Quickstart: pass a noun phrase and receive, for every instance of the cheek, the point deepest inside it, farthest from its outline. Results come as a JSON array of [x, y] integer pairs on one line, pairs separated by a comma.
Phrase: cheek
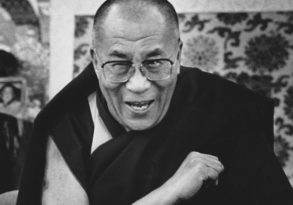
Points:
[[111, 93], [7, 95], [165, 89]]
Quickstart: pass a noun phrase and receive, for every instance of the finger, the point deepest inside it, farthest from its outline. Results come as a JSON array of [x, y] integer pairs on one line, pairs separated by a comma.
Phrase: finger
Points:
[[194, 159], [207, 173], [219, 167], [210, 182], [210, 163], [217, 182], [203, 166], [198, 165], [210, 156], [207, 157], [212, 173]]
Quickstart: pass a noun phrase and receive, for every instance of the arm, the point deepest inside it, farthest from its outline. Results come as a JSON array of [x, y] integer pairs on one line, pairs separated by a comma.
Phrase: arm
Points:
[[187, 181], [159, 196]]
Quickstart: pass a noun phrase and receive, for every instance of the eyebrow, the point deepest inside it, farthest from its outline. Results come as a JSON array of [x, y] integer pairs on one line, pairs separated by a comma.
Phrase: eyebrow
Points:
[[120, 54], [154, 53], [117, 54]]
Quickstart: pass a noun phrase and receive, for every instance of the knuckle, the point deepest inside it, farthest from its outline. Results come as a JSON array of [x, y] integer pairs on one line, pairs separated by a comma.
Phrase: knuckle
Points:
[[193, 153], [189, 163], [201, 177], [192, 156], [202, 174], [201, 166], [189, 155], [192, 162]]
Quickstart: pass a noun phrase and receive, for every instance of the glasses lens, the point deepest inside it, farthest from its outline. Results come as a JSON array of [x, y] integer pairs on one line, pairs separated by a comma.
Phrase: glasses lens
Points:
[[116, 71], [159, 69], [120, 71]]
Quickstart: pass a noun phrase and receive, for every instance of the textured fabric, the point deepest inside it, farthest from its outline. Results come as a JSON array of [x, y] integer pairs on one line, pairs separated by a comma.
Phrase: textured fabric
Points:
[[8, 151], [101, 133], [207, 114]]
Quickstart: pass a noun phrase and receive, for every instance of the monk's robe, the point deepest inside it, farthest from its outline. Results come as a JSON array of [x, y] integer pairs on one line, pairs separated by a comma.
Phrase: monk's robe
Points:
[[207, 114]]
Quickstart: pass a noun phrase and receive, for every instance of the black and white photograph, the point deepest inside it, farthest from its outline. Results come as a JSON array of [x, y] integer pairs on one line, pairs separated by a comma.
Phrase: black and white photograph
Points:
[[12, 96], [146, 102]]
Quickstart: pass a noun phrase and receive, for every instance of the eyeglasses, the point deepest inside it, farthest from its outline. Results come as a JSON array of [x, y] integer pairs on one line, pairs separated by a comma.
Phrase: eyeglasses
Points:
[[121, 71]]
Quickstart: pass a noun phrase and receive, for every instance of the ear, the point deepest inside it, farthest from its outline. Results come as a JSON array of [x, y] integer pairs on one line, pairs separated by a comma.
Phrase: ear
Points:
[[94, 58], [179, 55]]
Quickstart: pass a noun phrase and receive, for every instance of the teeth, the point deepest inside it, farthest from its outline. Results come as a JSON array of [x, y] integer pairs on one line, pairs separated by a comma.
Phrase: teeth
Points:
[[139, 106]]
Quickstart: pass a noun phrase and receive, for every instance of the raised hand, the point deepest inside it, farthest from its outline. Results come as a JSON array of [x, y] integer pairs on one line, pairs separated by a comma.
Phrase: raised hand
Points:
[[187, 180], [190, 176]]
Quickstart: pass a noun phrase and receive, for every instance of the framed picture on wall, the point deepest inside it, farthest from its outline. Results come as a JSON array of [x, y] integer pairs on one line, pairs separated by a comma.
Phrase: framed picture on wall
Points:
[[13, 96]]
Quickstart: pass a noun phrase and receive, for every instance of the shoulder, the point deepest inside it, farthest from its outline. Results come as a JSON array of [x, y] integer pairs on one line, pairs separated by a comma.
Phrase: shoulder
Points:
[[214, 90], [68, 100], [226, 106]]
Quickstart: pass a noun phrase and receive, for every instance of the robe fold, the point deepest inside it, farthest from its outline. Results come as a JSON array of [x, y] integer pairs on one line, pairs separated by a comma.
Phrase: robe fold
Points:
[[207, 114]]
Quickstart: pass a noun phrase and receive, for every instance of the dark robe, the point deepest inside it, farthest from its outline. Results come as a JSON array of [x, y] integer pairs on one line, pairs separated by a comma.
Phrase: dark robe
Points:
[[8, 158], [207, 114]]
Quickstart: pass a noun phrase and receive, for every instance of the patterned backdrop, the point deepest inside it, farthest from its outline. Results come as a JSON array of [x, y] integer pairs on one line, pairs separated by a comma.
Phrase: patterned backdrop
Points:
[[252, 49]]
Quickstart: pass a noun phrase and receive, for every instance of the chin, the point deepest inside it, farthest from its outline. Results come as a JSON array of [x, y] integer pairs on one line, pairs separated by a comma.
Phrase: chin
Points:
[[140, 125]]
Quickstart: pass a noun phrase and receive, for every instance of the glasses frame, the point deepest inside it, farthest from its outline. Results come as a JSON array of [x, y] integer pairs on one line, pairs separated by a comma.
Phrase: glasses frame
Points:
[[141, 68]]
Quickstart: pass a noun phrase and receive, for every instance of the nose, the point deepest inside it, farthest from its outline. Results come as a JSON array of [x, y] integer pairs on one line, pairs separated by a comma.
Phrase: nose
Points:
[[138, 82]]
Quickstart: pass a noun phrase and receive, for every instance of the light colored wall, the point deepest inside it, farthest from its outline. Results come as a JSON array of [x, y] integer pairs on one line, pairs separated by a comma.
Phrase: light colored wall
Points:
[[62, 27], [89, 6]]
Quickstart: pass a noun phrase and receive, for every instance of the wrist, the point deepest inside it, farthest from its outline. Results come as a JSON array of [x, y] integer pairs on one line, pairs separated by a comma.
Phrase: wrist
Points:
[[168, 193], [160, 196]]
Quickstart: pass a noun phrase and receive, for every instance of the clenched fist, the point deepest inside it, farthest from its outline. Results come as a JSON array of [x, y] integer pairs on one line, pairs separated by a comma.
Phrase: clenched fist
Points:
[[190, 176], [187, 181]]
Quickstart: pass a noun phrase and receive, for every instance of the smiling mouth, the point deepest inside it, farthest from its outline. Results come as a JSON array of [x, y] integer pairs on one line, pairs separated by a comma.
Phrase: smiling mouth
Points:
[[139, 106]]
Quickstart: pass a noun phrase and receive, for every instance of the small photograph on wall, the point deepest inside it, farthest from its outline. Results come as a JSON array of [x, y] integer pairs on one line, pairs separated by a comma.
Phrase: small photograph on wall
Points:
[[13, 96]]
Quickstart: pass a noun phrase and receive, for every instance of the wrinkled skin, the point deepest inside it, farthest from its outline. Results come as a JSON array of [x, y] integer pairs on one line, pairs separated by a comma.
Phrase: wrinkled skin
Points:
[[136, 41]]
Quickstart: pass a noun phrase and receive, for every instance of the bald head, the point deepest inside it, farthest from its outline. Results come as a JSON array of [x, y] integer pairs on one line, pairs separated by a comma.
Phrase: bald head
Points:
[[130, 34], [134, 11]]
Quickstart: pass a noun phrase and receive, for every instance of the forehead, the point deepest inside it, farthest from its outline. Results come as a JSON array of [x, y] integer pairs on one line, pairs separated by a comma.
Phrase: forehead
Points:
[[141, 27], [7, 88], [145, 15]]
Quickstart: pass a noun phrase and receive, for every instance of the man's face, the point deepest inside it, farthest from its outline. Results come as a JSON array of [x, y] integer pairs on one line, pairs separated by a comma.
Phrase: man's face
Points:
[[7, 94], [139, 103]]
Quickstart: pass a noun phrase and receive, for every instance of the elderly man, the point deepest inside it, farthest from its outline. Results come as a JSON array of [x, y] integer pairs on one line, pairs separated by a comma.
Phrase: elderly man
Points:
[[135, 127]]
